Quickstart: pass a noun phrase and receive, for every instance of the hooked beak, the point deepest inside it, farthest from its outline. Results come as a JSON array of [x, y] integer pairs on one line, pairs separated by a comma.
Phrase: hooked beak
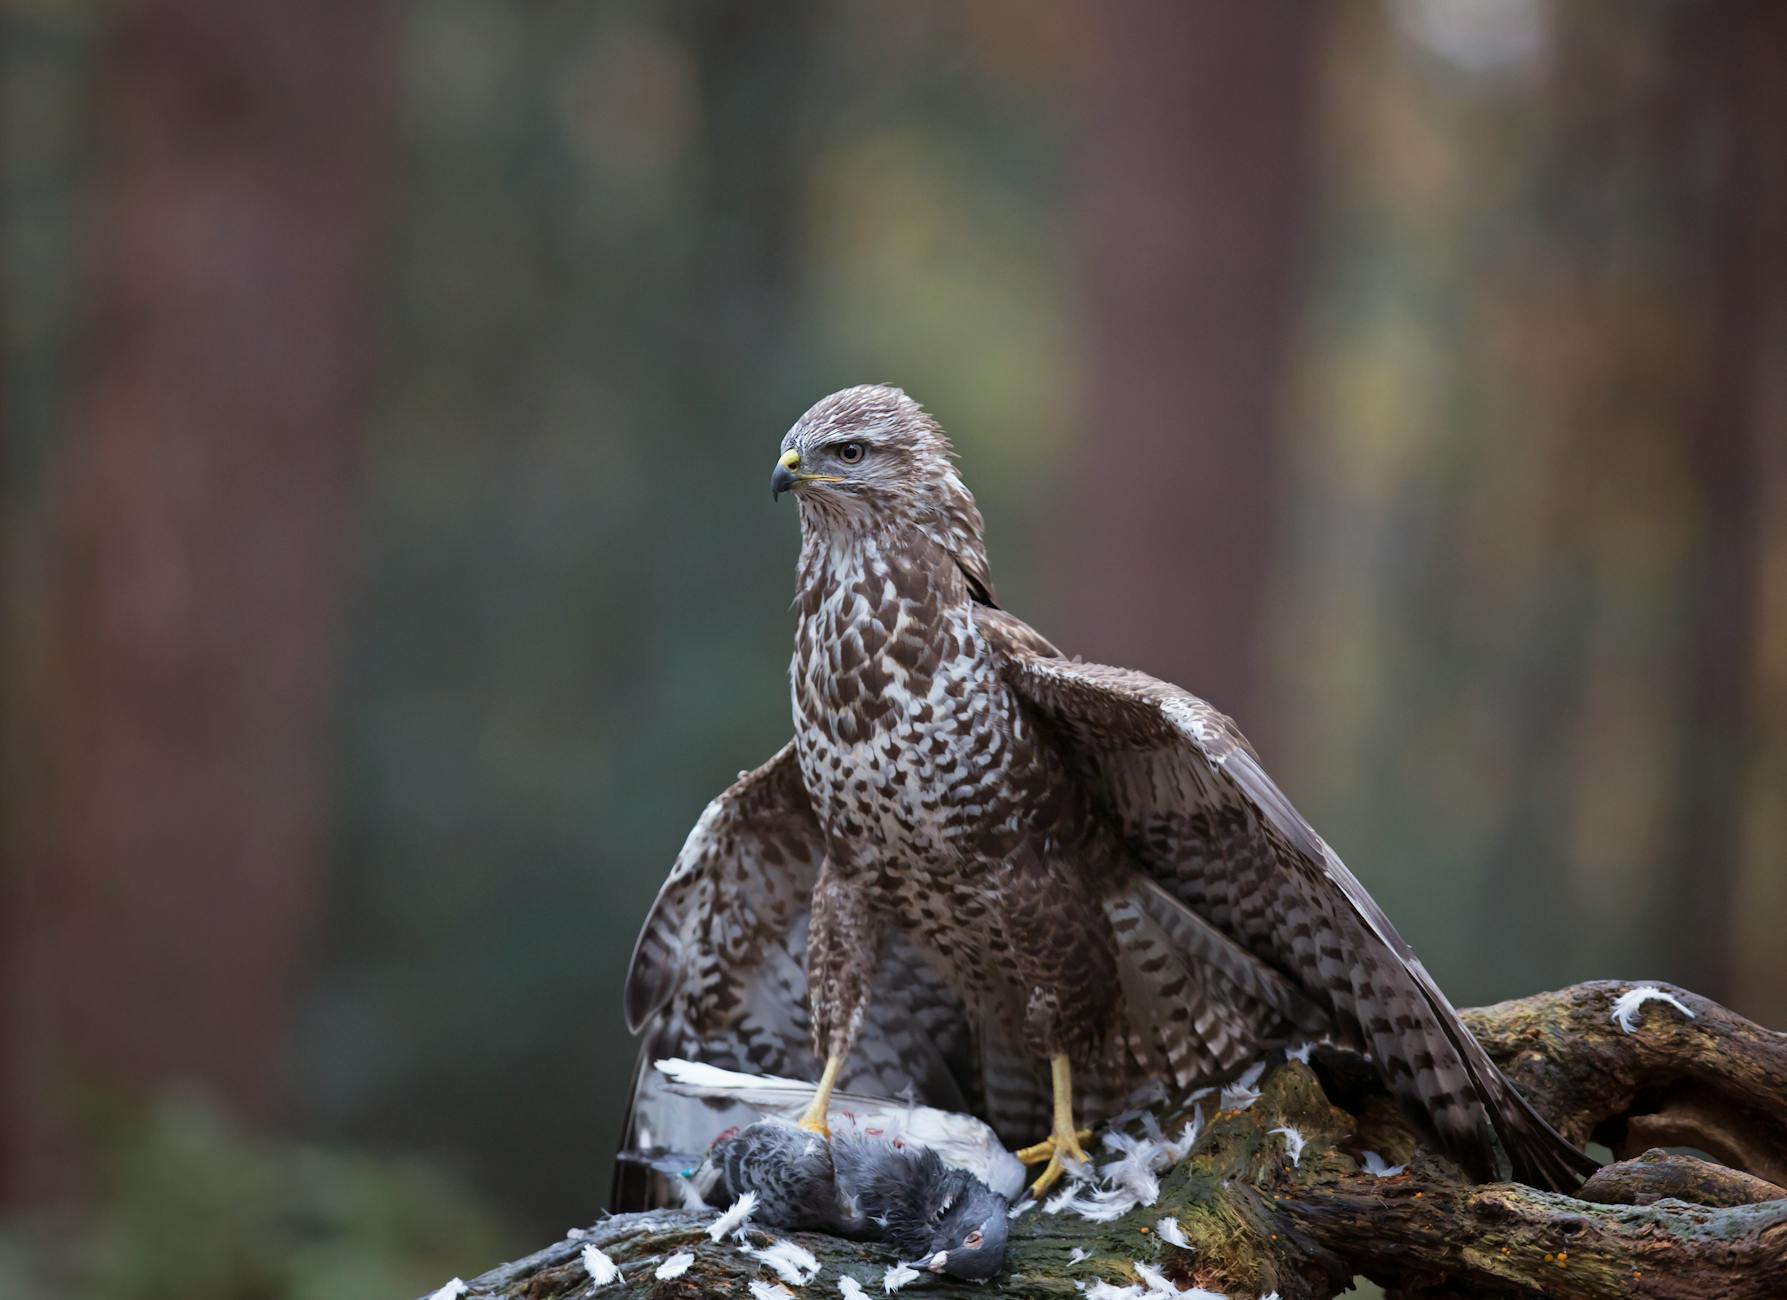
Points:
[[787, 475], [783, 476]]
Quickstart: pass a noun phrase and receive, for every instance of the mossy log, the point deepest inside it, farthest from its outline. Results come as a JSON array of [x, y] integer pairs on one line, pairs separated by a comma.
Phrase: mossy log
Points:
[[1652, 1224]]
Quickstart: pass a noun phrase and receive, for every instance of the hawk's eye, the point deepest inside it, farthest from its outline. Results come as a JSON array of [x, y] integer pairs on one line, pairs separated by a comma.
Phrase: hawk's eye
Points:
[[972, 1240], [850, 452]]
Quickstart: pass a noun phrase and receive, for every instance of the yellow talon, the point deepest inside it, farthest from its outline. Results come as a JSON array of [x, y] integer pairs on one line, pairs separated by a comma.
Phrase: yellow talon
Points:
[[813, 1121], [1063, 1144], [1044, 1149]]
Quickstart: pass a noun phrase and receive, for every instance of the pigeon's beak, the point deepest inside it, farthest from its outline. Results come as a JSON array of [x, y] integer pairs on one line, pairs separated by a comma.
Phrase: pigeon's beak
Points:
[[938, 1262], [782, 478]]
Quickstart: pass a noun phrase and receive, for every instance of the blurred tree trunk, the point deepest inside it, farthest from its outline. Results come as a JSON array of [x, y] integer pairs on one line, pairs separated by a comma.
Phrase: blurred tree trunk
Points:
[[173, 848], [1741, 79], [1193, 187]]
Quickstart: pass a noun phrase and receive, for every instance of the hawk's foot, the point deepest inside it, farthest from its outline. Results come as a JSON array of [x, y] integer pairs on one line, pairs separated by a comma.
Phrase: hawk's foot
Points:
[[1035, 1155], [1057, 1149], [1063, 1144], [813, 1120]]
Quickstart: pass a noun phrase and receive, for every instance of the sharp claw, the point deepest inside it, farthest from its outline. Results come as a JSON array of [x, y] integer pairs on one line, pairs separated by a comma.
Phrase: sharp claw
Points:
[[1048, 1178], [1057, 1151]]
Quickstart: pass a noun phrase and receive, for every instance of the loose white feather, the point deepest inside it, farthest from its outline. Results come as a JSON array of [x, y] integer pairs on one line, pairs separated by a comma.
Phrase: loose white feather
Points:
[[693, 1201], [1625, 1006], [1294, 1142], [451, 1291], [1241, 1094], [675, 1266], [1301, 1051], [1377, 1166], [1021, 1208], [1099, 1289], [1156, 1280], [1188, 1137], [735, 1217], [851, 1289], [1134, 1169], [1171, 1233], [1099, 1204], [761, 1290], [897, 1277], [793, 1263], [600, 1268], [1079, 1253]]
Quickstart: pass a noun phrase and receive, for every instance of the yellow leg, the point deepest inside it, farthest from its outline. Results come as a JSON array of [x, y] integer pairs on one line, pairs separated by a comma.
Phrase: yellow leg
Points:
[[814, 1120], [1063, 1143]]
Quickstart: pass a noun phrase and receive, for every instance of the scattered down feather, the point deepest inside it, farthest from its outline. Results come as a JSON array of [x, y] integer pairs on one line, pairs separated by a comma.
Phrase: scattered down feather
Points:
[[1171, 1233], [1242, 1093], [793, 1263], [734, 1217], [1099, 1289], [600, 1268], [1625, 1006], [674, 1267], [1294, 1142], [1377, 1166]]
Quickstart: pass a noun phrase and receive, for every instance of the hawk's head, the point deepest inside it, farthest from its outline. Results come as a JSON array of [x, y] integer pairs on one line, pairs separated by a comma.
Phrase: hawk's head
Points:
[[868, 455]]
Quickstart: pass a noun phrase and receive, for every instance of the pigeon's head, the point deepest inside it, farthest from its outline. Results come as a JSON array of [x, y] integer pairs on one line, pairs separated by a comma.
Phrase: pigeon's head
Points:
[[964, 1224], [870, 455]]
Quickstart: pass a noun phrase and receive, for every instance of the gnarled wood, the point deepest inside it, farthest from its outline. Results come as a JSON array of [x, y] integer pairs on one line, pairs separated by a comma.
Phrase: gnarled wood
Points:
[[1661, 1225]]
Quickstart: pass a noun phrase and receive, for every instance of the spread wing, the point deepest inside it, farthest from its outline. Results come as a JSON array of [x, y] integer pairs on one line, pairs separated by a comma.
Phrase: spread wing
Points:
[[718, 975], [1195, 808]]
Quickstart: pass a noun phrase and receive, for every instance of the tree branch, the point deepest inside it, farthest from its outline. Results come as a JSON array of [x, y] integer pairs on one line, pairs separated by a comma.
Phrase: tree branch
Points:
[[1659, 1225]]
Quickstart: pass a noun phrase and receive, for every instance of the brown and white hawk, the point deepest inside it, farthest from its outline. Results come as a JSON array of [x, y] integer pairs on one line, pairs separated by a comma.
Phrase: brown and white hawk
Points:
[[1010, 881]]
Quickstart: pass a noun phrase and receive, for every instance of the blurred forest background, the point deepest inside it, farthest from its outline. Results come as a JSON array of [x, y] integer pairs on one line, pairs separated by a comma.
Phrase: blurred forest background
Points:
[[389, 580]]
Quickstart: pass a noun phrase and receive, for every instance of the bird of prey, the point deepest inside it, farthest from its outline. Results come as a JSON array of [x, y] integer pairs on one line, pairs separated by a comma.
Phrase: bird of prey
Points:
[[860, 1184], [980, 865]]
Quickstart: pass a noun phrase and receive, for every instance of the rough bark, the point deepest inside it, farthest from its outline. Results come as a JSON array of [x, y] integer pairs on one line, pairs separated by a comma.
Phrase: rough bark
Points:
[[1657, 1225]]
